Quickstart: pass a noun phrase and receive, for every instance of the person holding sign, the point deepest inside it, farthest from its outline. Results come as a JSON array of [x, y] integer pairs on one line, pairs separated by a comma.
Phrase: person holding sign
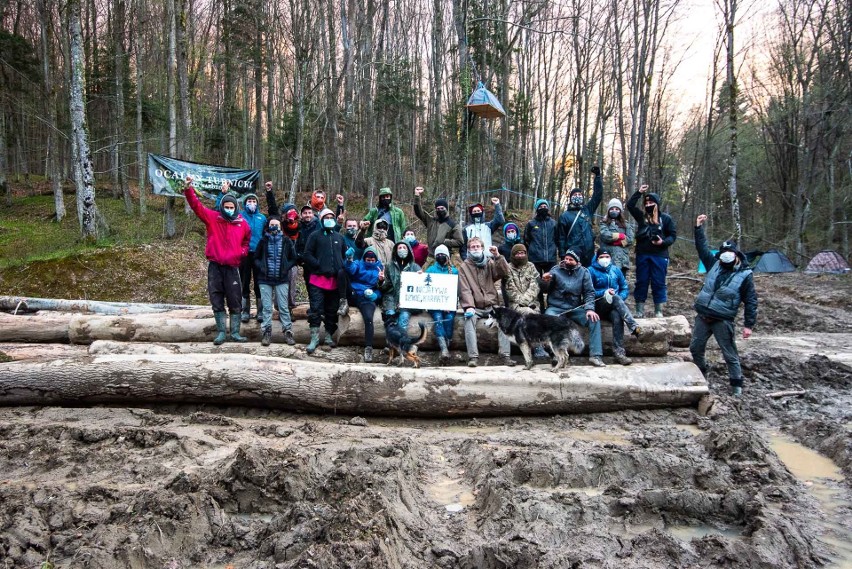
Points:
[[323, 258], [480, 228], [444, 319], [228, 237], [478, 294], [366, 278], [402, 261], [441, 229]]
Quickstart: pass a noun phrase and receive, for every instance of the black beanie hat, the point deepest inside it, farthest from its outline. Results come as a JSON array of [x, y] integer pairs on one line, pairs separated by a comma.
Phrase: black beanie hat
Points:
[[442, 202]]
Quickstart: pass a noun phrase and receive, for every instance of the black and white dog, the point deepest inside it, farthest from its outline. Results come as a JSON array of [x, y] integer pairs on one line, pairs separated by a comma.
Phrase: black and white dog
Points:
[[559, 336]]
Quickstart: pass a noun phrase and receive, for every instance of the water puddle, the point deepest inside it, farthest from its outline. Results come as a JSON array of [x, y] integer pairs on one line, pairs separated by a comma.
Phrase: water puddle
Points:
[[688, 533], [691, 429], [450, 493], [822, 478], [254, 517], [615, 438]]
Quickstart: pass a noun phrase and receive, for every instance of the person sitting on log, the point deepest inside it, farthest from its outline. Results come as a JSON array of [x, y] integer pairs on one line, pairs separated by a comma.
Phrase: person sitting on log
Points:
[[521, 287], [440, 229], [478, 295], [402, 261], [610, 293], [228, 237], [349, 233], [444, 319], [571, 294], [323, 258], [380, 241], [366, 278], [419, 251], [274, 258], [480, 228]]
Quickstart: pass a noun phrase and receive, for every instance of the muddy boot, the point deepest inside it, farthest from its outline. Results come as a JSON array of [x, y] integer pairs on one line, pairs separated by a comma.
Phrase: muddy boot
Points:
[[658, 309], [596, 361], [445, 352], [636, 331], [288, 337], [621, 358], [330, 339], [507, 360], [540, 353], [235, 329], [640, 310], [246, 313], [736, 391], [368, 354], [473, 362], [220, 318], [343, 309], [266, 337], [312, 346]]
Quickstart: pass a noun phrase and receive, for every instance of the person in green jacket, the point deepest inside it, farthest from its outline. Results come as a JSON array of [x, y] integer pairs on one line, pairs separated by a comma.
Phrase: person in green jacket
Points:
[[390, 213]]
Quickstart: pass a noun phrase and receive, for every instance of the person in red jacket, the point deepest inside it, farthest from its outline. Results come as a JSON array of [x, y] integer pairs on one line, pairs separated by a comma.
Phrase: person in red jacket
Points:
[[228, 237], [419, 250]]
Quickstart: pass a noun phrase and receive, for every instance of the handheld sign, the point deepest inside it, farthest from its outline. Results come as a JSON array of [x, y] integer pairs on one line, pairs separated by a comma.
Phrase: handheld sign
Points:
[[167, 177], [429, 291]]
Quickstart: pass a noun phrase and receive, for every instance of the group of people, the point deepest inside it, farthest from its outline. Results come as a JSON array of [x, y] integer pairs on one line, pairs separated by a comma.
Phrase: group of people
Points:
[[359, 262]]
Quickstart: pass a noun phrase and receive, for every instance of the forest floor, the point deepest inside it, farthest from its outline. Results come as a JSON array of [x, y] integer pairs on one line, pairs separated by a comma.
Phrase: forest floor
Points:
[[205, 486]]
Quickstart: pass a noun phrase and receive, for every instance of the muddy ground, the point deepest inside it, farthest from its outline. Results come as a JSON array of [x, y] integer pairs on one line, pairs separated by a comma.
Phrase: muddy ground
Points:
[[194, 486]]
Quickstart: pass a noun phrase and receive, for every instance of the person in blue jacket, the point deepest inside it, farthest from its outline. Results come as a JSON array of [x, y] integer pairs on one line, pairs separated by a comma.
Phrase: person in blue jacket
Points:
[[444, 319], [728, 283], [366, 277], [248, 273], [574, 232], [610, 293]]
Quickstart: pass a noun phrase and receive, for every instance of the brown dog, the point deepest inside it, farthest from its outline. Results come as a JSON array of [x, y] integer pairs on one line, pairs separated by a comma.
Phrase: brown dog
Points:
[[401, 344]]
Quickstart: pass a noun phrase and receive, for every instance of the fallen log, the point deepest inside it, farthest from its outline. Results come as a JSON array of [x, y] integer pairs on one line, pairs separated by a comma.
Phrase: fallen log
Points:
[[50, 327], [788, 393], [18, 303], [17, 352], [236, 379]]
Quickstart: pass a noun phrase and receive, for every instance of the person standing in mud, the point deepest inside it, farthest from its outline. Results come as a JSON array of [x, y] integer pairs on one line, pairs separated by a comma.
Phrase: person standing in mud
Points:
[[228, 237], [729, 282]]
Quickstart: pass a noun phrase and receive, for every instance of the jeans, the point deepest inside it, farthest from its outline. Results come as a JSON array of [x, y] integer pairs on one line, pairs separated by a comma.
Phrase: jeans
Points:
[[651, 270], [281, 291], [368, 310], [323, 308], [579, 316], [504, 347], [223, 284], [444, 322], [723, 330], [619, 314]]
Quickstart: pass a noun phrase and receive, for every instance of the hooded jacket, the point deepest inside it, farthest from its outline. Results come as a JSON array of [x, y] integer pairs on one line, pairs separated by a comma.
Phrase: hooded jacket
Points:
[[438, 232], [323, 253], [725, 289], [481, 229], [476, 284], [540, 236], [505, 248], [618, 239], [264, 250], [393, 275], [608, 278], [227, 241], [569, 289], [256, 220], [383, 247], [363, 276], [398, 222], [646, 232], [581, 238], [522, 287]]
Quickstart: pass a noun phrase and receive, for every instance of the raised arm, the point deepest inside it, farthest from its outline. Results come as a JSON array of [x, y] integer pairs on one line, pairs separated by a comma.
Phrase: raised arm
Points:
[[704, 253], [271, 204], [634, 210], [597, 190], [418, 206]]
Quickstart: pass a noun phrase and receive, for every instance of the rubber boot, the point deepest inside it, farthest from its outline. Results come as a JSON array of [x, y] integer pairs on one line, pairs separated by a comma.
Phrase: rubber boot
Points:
[[658, 309], [235, 329], [330, 341], [445, 352], [246, 314], [368, 354], [343, 307], [266, 337], [311, 348], [640, 310], [220, 318]]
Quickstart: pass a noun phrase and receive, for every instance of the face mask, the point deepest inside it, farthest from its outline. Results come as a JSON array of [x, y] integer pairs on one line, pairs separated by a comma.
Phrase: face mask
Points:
[[476, 255], [511, 236], [476, 216], [442, 259], [251, 207], [369, 262], [605, 262], [614, 214], [380, 234], [410, 239], [576, 200], [385, 202], [402, 252], [543, 211], [728, 258], [229, 213], [274, 230], [441, 214], [352, 231], [649, 209], [329, 223], [519, 261]]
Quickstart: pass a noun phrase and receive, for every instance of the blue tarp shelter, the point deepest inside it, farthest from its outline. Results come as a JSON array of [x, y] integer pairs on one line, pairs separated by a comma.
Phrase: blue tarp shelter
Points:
[[484, 104]]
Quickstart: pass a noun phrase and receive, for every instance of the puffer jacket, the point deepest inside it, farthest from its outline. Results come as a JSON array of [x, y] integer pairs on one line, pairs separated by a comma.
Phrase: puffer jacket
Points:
[[611, 277], [725, 289], [476, 284], [522, 286], [363, 276], [288, 260], [611, 233], [568, 290], [227, 241]]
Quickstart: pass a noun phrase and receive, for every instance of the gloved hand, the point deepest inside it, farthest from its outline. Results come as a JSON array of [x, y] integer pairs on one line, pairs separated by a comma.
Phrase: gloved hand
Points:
[[596, 170], [350, 253], [469, 313]]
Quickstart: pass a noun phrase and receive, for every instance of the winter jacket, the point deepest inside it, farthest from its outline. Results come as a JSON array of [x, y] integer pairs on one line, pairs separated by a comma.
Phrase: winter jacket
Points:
[[522, 286], [261, 256], [447, 269], [724, 289], [383, 248], [476, 284], [305, 232], [324, 253], [646, 232], [446, 232], [540, 239], [256, 220], [398, 221], [618, 240], [580, 239], [350, 243], [569, 290], [505, 248], [393, 276], [420, 251], [483, 229], [611, 277], [363, 276], [227, 241]]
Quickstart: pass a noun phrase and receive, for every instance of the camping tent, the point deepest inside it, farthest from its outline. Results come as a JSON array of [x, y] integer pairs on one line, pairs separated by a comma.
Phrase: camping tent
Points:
[[774, 261], [483, 103], [827, 262], [702, 270]]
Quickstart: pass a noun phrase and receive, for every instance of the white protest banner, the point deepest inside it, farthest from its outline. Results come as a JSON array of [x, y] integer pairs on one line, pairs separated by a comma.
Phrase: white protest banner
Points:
[[429, 291]]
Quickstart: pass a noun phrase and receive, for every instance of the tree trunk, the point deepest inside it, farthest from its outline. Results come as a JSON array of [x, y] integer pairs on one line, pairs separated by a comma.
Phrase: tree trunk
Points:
[[140, 147], [121, 175], [79, 128], [5, 189], [733, 96], [21, 303], [52, 166], [340, 388], [171, 18]]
